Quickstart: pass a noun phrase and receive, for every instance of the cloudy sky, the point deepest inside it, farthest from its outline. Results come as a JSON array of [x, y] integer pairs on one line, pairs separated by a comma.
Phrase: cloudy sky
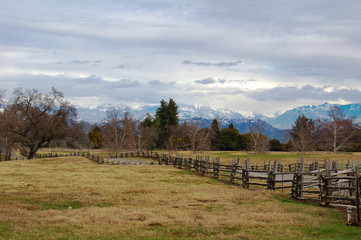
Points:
[[250, 56]]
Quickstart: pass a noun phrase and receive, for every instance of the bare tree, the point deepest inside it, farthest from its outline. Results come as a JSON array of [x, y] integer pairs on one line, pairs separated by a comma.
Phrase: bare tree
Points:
[[172, 144], [198, 138], [34, 119], [119, 133], [112, 130], [336, 132], [2, 93], [144, 137], [128, 132], [302, 134], [7, 137], [258, 141]]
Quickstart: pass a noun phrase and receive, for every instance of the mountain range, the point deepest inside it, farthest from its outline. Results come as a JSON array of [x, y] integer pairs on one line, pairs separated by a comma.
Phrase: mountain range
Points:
[[273, 127]]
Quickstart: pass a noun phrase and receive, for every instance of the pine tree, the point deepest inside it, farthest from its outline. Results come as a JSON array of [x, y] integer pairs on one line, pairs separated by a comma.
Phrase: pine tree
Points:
[[166, 120], [95, 137], [147, 121], [162, 115], [215, 138], [172, 111]]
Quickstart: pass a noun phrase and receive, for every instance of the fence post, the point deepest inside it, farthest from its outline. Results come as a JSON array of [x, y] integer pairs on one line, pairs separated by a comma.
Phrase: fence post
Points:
[[216, 168], [245, 179], [181, 161], [320, 180], [302, 177], [327, 181], [357, 183], [234, 170], [272, 176]]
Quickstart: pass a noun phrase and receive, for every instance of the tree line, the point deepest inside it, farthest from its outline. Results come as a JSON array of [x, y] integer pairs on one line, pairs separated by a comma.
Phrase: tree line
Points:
[[30, 120], [164, 131], [335, 133]]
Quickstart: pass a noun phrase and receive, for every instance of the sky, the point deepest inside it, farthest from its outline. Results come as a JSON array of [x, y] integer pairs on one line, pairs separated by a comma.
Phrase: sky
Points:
[[257, 56]]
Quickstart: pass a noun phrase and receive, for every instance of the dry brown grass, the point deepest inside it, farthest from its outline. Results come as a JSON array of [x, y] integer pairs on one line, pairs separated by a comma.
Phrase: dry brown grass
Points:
[[141, 202]]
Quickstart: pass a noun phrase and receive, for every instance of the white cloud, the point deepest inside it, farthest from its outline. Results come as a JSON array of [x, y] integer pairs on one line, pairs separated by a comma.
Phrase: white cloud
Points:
[[144, 50]]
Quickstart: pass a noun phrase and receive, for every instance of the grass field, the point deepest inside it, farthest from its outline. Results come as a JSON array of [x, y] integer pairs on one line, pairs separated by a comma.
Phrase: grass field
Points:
[[284, 157], [74, 198], [228, 156]]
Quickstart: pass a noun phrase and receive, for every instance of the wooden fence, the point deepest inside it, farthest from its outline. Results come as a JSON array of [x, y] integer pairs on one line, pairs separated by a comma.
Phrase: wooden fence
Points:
[[328, 183], [112, 160], [3, 158]]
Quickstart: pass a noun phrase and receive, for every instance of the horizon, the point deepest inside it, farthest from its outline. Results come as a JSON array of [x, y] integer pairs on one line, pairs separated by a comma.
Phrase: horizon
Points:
[[184, 105], [250, 56]]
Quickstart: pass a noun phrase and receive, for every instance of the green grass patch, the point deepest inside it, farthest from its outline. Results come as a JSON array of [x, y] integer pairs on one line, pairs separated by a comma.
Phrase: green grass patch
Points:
[[337, 231], [215, 180], [213, 207], [185, 172], [61, 205], [244, 155], [289, 200], [5, 229]]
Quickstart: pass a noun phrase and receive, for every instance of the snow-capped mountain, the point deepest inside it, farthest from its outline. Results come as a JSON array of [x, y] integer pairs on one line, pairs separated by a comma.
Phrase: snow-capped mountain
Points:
[[275, 127], [286, 120], [97, 114], [193, 111], [202, 114]]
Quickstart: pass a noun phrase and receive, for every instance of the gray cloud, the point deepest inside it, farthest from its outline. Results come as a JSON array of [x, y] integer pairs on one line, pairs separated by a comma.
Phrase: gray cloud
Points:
[[281, 43], [205, 81], [120, 67], [209, 64], [291, 93], [80, 62], [159, 85], [155, 83]]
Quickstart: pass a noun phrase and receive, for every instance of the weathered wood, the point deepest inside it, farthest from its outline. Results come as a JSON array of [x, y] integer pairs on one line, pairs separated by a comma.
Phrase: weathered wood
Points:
[[357, 185], [258, 184], [245, 174], [302, 170]]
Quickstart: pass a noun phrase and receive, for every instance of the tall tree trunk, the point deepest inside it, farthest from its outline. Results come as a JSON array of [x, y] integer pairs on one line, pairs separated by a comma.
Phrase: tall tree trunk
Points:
[[32, 152]]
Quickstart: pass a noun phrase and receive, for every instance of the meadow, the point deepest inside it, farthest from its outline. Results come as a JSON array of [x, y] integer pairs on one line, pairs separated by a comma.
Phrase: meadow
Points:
[[284, 157], [74, 198]]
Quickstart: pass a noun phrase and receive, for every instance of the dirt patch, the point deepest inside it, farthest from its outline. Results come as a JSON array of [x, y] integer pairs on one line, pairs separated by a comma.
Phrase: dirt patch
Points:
[[126, 161]]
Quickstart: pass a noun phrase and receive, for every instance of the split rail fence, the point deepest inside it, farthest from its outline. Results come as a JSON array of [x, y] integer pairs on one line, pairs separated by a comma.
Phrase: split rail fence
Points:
[[329, 183]]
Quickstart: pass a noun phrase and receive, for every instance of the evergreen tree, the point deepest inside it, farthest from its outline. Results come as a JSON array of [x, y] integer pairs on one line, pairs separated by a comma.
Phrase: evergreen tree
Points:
[[215, 138], [147, 121], [162, 115], [95, 137], [275, 145], [166, 120], [230, 139], [172, 113]]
